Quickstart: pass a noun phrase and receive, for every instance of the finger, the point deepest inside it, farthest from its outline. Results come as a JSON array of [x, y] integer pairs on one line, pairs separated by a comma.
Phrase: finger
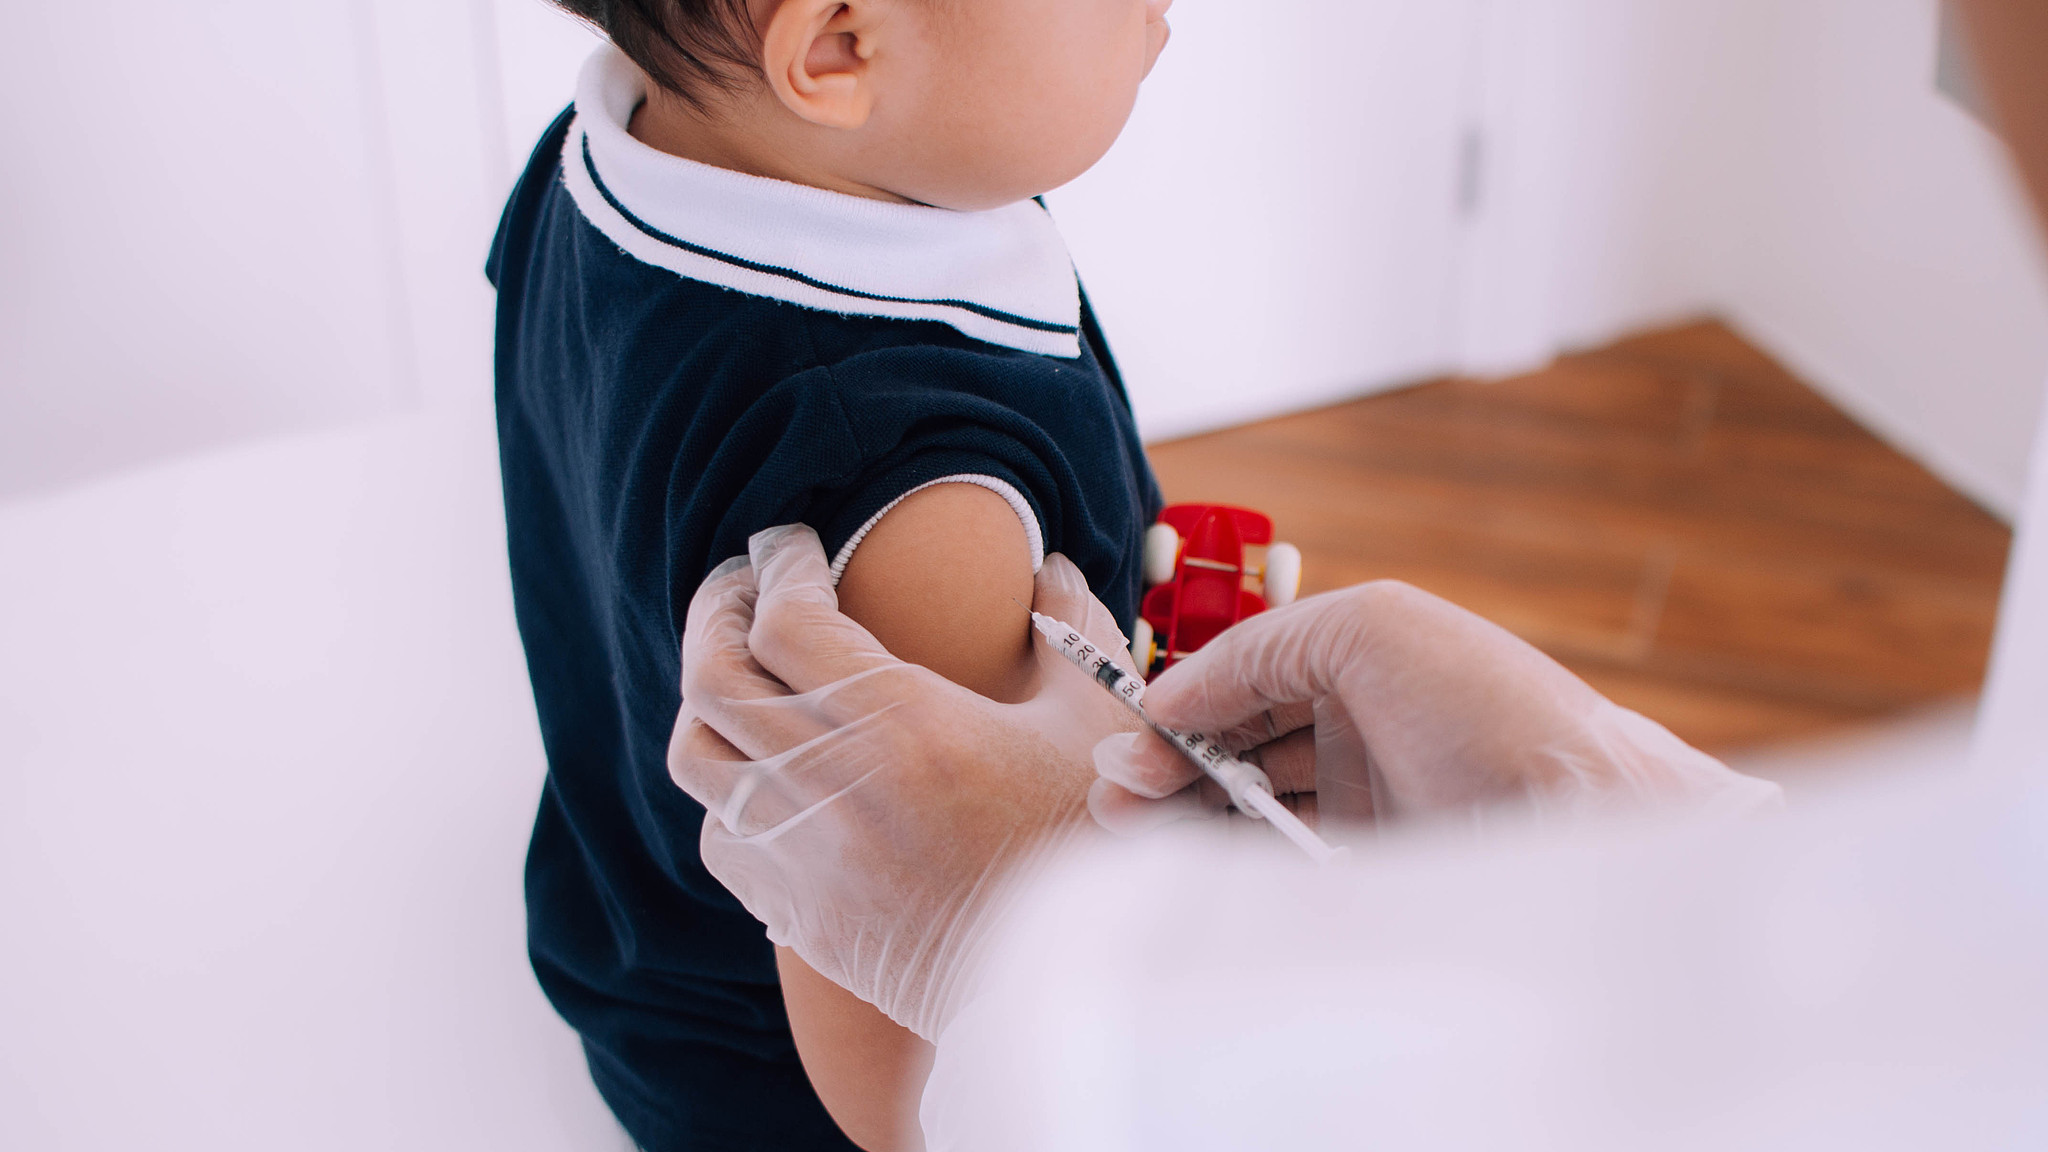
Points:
[[703, 763], [757, 878], [791, 559], [1289, 762], [1305, 806], [1062, 592], [1143, 764], [1268, 726], [799, 635], [717, 662], [1126, 814], [725, 600], [816, 760], [1146, 766], [724, 686], [1211, 794], [1283, 657], [822, 670]]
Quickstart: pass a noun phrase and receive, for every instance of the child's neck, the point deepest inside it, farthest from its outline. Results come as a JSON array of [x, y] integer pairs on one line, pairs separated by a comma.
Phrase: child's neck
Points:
[[743, 135]]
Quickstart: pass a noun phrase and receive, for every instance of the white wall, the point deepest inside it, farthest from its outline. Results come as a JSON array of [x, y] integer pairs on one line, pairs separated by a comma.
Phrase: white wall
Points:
[[268, 757], [1277, 227], [1599, 166], [1785, 163], [2013, 731], [1884, 248], [540, 50], [196, 231]]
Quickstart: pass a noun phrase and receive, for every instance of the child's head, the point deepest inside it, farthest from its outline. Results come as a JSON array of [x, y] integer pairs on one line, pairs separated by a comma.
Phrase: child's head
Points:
[[959, 103]]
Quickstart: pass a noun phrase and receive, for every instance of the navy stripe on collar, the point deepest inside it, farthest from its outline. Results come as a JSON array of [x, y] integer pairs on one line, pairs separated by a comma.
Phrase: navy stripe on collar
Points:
[[1001, 276], [791, 274]]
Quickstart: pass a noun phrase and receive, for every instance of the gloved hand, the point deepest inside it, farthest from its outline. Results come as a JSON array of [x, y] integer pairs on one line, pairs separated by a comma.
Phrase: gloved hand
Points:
[[871, 813], [1391, 704]]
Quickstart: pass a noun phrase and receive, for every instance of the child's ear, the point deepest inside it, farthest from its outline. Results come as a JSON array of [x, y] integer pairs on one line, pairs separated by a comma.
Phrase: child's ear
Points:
[[816, 53]]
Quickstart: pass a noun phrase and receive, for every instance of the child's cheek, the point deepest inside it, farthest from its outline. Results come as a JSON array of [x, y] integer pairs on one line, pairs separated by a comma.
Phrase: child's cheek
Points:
[[1156, 34]]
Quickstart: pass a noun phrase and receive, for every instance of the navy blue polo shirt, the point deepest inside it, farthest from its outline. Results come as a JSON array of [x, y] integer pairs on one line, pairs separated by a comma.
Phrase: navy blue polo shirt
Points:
[[685, 356]]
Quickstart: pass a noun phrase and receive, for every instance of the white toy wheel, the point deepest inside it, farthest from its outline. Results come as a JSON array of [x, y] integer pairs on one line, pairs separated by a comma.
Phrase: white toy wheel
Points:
[[1283, 575], [1141, 647], [1162, 551]]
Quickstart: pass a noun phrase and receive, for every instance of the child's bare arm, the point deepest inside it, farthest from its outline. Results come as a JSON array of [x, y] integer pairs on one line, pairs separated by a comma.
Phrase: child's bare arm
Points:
[[941, 582], [867, 1070], [938, 582]]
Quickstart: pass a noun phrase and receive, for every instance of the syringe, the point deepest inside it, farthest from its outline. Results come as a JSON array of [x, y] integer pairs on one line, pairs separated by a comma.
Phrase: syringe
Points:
[[1250, 789]]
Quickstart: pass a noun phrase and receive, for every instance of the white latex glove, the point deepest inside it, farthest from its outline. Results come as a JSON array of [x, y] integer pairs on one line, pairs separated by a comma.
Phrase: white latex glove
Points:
[[1390, 704], [871, 813]]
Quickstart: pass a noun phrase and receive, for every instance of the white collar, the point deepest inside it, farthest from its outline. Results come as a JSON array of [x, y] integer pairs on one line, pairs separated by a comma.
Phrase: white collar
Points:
[[1001, 276]]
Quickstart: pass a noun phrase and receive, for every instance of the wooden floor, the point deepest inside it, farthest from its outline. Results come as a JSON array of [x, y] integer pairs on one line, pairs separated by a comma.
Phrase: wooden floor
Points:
[[1676, 518]]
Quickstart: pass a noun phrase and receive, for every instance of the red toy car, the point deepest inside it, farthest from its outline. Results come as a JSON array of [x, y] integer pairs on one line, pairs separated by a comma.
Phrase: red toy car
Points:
[[1195, 570]]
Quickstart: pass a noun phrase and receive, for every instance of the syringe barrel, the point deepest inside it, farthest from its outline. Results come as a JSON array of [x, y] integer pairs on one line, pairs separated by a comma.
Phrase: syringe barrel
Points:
[[1231, 774], [1083, 654]]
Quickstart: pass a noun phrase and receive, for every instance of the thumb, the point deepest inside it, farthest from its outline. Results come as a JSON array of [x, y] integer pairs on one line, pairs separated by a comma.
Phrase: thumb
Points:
[[799, 635], [792, 558], [1062, 593]]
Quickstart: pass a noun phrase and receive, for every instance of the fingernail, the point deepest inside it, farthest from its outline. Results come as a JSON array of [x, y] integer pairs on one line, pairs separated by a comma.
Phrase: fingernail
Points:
[[1114, 754], [1119, 759]]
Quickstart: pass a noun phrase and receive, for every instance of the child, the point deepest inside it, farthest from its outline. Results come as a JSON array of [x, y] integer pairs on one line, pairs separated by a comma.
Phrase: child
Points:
[[781, 262]]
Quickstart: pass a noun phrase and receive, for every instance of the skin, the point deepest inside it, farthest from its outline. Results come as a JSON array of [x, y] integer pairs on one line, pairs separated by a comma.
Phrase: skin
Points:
[[868, 1071], [958, 104], [962, 104]]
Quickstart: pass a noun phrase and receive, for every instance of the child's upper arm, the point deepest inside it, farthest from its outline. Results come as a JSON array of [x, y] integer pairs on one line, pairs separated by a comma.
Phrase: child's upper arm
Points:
[[941, 581]]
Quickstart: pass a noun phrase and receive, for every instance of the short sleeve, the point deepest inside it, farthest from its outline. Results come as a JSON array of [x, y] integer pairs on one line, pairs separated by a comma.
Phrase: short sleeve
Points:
[[1034, 532], [836, 447]]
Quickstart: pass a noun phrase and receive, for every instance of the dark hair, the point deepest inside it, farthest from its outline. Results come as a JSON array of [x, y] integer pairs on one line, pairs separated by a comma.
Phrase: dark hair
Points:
[[690, 47]]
